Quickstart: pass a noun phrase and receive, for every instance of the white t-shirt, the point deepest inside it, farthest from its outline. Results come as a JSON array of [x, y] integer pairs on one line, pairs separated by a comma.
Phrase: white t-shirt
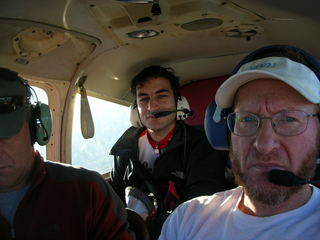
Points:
[[217, 217], [147, 154]]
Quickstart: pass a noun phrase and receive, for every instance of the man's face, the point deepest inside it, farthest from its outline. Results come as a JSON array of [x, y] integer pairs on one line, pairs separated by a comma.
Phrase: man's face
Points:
[[153, 96], [253, 157], [16, 160]]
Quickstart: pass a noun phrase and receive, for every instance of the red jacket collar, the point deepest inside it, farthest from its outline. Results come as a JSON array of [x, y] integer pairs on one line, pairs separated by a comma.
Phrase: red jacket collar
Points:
[[161, 144]]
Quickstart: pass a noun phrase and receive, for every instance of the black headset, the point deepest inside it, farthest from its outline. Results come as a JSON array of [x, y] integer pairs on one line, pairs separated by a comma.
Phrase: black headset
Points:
[[217, 131], [40, 123]]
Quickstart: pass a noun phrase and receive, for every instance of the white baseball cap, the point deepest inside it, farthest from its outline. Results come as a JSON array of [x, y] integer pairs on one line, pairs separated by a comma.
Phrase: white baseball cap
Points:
[[295, 74]]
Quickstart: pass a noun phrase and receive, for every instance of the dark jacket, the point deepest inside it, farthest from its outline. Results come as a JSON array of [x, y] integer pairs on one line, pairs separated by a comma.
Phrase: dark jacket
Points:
[[66, 203], [189, 161]]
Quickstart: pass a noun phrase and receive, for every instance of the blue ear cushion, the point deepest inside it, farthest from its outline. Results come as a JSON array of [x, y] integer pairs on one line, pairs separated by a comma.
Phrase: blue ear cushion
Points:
[[217, 132]]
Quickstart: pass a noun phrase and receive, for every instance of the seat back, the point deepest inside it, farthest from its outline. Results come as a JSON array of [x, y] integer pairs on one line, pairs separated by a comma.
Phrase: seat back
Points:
[[218, 135], [199, 94]]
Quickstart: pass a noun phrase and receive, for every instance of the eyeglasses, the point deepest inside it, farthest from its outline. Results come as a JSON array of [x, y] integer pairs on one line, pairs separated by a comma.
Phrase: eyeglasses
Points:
[[11, 104], [285, 123]]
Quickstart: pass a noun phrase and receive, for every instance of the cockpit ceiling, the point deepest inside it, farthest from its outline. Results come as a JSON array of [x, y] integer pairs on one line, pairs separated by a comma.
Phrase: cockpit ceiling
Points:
[[64, 39]]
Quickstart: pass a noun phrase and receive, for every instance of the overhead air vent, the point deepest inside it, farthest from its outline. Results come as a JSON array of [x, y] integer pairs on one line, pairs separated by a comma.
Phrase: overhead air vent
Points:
[[243, 31], [202, 24]]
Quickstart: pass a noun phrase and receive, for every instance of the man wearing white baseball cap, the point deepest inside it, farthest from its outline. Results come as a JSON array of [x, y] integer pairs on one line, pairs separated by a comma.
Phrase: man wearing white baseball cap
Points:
[[271, 106]]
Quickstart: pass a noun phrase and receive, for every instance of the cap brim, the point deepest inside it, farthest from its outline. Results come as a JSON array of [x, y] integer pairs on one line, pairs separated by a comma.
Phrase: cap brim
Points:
[[226, 93], [11, 123]]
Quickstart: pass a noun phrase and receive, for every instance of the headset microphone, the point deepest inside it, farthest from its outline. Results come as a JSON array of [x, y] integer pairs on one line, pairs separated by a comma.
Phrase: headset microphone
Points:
[[163, 113], [287, 178], [166, 113]]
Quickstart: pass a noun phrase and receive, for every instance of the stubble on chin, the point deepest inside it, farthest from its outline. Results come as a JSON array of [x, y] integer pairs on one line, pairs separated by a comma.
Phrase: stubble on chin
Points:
[[266, 192]]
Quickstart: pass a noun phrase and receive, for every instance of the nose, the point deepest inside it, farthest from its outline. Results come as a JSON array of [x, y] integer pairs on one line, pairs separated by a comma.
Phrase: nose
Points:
[[152, 104], [266, 139]]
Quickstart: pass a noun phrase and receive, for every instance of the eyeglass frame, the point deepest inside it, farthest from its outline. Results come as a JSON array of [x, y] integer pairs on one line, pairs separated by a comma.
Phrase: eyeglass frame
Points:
[[260, 118]]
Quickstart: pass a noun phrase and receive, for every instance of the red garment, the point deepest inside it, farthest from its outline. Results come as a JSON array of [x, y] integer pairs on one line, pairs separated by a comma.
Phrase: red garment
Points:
[[67, 203], [172, 198], [161, 144]]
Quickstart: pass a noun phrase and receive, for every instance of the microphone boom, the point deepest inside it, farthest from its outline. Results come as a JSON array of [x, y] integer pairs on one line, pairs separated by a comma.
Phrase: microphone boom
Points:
[[285, 178], [166, 113], [163, 113]]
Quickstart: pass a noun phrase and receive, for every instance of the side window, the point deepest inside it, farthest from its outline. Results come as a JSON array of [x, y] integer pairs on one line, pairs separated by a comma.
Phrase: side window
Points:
[[42, 97], [110, 121]]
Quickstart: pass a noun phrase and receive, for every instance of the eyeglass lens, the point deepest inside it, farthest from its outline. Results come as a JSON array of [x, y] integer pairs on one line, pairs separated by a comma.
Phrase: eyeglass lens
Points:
[[10, 104], [287, 123]]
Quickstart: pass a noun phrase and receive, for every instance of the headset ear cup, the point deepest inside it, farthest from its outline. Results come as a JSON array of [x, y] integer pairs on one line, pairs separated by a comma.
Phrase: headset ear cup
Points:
[[184, 107], [216, 128], [43, 123], [134, 116]]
